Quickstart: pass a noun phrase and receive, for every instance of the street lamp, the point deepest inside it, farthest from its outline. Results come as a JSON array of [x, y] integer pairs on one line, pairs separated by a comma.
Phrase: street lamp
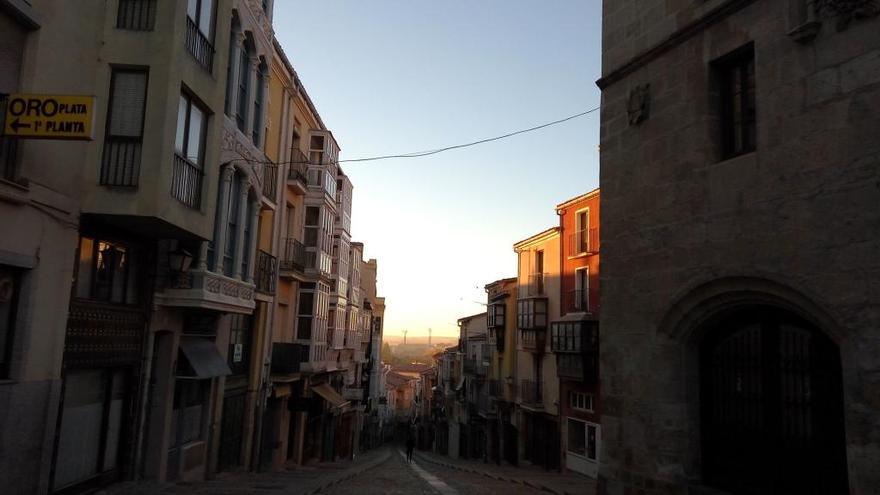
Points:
[[179, 260]]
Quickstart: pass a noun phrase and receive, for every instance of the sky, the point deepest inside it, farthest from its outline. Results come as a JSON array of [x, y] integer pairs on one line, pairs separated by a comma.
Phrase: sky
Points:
[[397, 76]]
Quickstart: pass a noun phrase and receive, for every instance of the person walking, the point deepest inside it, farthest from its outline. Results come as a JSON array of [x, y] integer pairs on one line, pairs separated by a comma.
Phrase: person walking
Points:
[[410, 445]]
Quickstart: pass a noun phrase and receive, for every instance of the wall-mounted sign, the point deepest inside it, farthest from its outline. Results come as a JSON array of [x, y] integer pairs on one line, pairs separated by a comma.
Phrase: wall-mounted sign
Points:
[[50, 116], [237, 353]]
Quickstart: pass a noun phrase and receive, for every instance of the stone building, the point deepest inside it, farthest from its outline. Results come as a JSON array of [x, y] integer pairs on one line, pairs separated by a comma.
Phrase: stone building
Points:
[[740, 315]]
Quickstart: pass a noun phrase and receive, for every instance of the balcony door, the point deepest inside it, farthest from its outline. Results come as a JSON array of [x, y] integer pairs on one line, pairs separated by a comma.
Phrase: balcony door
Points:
[[581, 289]]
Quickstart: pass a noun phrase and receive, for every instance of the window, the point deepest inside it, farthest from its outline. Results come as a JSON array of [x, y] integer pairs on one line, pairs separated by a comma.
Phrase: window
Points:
[[736, 74], [583, 439], [496, 315], [9, 291], [304, 318], [188, 417], [577, 400], [532, 313], [108, 272], [189, 146], [582, 289], [200, 31], [230, 72], [233, 204], [244, 79], [136, 15], [121, 162], [258, 105], [246, 233], [582, 229]]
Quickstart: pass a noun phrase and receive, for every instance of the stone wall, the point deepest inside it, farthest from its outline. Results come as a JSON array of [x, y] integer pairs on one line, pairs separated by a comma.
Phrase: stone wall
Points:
[[795, 224]]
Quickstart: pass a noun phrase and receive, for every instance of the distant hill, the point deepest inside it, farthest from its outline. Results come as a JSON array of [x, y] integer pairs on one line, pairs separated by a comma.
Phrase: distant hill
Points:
[[411, 339]]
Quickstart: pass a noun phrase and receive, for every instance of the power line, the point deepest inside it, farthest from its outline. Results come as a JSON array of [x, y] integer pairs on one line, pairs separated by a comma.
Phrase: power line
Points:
[[418, 154]]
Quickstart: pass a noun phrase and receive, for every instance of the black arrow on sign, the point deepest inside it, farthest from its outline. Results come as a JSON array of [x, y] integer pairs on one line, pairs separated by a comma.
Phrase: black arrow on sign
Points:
[[16, 125]]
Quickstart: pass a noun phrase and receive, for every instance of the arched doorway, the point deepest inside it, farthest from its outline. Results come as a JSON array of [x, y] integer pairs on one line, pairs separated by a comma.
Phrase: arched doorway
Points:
[[771, 405]]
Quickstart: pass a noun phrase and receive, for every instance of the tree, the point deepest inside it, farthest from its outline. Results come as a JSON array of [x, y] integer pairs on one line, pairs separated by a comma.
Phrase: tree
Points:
[[387, 355]]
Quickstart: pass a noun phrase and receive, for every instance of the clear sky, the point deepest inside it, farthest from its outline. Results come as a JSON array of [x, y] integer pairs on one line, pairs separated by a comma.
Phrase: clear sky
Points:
[[395, 76]]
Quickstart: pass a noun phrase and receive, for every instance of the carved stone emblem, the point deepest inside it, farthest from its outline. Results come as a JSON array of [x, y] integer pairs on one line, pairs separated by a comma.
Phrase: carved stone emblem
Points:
[[639, 107]]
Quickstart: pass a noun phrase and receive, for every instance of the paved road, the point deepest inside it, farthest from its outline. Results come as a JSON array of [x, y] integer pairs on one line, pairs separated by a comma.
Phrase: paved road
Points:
[[396, 477]]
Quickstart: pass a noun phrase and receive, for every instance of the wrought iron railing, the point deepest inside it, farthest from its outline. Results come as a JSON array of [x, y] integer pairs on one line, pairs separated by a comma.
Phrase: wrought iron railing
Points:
[[136, 15], [265, 273], [270, 182], [121, 163], [531, 392], [296, 170], [198, 45], [578, 300], [294, 255], [536, 284], [186, 182], [584, 241]]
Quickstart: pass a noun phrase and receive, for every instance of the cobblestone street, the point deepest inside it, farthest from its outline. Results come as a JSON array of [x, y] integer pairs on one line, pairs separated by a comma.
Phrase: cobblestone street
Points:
[[383, 471]]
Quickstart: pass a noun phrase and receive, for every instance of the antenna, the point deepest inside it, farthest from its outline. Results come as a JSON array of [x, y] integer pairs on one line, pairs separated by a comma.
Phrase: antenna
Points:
[[404, 336]]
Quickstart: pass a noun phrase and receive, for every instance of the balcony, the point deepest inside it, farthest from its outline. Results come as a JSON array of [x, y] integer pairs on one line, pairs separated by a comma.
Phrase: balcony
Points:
[[208, 290], [531, 393], [536, 284], [577, 301], [351, 393], [531, 313], [121, 161], [265, 272], [293, 257], [533, 340], [270, 182], [198, 45], [296, 171], [583, 242], [186, 182], [136, 15], [288, 358], [576, 344]]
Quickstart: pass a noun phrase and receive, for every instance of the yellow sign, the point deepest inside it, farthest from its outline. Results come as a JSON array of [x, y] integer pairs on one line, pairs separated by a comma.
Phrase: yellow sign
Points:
[[50, 116]]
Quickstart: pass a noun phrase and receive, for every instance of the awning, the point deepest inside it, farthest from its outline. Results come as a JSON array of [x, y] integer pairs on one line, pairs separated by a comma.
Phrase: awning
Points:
[[330, 395], [203, 358]]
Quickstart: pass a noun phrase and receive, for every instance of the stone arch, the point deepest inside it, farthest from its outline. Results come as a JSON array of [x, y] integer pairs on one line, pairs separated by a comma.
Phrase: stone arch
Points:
[[696, 314], [700, 302]]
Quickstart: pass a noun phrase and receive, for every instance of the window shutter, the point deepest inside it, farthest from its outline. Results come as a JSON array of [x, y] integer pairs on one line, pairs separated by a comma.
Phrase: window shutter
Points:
[[127, 108]]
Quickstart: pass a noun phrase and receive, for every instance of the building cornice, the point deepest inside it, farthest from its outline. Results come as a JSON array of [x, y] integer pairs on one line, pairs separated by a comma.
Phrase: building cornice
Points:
[[676, 38], [540, 236], [577, 199]]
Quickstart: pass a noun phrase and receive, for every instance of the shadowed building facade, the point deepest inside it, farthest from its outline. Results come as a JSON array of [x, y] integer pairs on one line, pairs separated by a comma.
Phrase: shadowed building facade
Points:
[[739, 175]]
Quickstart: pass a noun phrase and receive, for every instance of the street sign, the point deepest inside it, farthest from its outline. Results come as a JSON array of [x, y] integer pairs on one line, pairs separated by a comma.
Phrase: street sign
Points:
[[50, 116]]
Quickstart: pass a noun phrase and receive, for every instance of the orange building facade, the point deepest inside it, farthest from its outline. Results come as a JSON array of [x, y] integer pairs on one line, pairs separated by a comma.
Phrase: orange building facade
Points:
[[574, 333]]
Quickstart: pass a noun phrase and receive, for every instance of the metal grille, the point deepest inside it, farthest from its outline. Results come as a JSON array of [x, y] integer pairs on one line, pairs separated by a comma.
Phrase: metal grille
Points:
[[265, 272], [198, 45], [136, 15], [772, 408], [294, 257], [121, 163], [270, 181], [186, 182], [103, 335]]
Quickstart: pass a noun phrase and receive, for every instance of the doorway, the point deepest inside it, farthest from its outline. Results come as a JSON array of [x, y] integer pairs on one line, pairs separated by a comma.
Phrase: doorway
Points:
[[771, 406]]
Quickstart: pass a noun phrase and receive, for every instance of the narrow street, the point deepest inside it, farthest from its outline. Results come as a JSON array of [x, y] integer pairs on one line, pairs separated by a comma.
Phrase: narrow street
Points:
[[382, 471]]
